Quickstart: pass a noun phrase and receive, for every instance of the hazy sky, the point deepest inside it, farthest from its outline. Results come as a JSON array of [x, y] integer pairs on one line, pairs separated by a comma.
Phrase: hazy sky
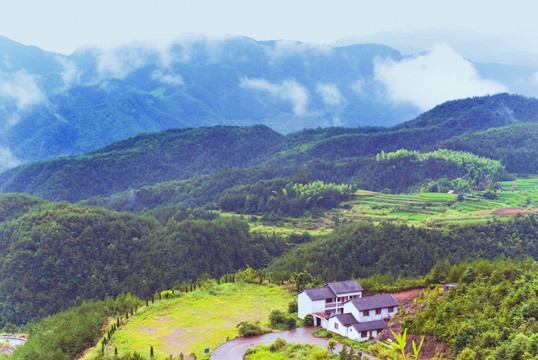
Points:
[[65, 25]]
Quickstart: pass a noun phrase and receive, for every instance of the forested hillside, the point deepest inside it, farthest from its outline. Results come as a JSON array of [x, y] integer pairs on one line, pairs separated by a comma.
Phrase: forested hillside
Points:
[[363, 249], [226, 157], [53, 255]]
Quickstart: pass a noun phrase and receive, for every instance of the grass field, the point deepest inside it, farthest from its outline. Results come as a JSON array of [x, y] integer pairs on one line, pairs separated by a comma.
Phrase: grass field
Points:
[[423, 209], [197, 320]]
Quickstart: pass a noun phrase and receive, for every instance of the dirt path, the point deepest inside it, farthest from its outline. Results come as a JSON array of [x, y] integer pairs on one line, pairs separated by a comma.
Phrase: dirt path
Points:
[[235, 349]]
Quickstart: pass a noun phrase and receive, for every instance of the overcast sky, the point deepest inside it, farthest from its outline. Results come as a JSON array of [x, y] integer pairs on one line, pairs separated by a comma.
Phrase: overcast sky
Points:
[[65, 25]]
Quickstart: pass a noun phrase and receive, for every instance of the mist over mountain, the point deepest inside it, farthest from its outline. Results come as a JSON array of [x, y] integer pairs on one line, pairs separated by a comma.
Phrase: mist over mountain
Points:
[[53, 105]]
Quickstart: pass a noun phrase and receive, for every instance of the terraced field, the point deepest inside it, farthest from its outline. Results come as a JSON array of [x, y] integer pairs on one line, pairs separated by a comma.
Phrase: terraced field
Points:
[[423, 209]]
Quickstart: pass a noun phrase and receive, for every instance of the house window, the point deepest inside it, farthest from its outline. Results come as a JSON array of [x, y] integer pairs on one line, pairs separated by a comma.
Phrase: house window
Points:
[[364, 334], [378, 311], [366, 313], [391, 309], [336, 325]]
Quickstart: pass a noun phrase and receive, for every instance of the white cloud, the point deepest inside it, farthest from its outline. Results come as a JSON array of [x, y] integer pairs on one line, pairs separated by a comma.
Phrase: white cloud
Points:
[[21, 88], [287, 90], [119, 62], [70, 74], [168, 79], [7, 160], [433, 78], [358, 86], [283, 48], [330, 94]]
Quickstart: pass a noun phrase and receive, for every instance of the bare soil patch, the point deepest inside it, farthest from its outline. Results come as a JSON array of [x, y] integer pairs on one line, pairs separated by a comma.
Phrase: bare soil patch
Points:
[[431, 347], [176, 342], [517, 210], [147, 330]]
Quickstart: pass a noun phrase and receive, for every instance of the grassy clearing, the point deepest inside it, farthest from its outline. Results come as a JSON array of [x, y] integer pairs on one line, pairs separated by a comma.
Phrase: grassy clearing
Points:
[[197, 320]]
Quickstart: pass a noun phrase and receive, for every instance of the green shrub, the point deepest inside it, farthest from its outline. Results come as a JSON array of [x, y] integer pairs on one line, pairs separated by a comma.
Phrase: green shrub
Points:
[[276, 318], [247, 328], [308, 320]]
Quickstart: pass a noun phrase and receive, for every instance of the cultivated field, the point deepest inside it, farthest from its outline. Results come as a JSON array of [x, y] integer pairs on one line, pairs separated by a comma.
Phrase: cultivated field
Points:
[[422, 209]]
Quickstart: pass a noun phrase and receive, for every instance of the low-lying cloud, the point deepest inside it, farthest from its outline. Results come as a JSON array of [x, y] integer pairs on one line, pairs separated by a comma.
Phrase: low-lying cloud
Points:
[[120, 62], [7, 160], [330, 94], [433, 78], [287, 90], [167, 78], [70, 75], [21, 88]]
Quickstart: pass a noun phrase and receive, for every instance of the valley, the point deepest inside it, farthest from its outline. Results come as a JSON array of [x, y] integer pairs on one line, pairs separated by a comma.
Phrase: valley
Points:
[[187, 233]]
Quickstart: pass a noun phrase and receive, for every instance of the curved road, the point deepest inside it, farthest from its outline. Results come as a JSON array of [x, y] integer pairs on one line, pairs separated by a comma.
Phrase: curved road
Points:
[[235, 349]]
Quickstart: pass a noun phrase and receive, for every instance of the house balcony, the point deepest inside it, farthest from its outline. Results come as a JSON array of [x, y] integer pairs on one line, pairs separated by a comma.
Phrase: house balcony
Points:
[[331, 305]]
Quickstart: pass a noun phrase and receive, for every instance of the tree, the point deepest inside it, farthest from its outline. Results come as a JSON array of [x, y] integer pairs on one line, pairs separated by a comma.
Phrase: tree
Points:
[[276, 318], [331, 345], [308, 320]]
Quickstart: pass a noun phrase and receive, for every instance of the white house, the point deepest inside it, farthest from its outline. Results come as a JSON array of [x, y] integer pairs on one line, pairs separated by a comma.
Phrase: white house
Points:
[[339, 307], [372, 308], [366, 330], [327, 300]]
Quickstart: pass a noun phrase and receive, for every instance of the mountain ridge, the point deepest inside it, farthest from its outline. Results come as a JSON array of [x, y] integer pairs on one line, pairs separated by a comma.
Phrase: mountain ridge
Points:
[[72, 104]]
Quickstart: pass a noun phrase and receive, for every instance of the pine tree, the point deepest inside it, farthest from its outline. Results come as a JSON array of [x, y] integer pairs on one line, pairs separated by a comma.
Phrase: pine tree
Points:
[[151, 354]]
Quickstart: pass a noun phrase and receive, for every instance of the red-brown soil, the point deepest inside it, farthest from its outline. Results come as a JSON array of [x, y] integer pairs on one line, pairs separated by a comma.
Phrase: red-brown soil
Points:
[[430, 348], [517, 210]]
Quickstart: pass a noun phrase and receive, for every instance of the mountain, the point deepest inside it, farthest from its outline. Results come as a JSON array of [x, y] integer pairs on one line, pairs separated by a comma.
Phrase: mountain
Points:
[[54, 105], [203, 162]]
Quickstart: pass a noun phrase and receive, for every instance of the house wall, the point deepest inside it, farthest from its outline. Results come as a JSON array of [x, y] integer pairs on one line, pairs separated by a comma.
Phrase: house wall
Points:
[[354, 335], [359, 315], [342, 330], [306, 306]]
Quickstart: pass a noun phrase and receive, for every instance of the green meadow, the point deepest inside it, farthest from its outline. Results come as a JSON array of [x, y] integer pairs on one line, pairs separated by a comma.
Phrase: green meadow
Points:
[[194, 321]]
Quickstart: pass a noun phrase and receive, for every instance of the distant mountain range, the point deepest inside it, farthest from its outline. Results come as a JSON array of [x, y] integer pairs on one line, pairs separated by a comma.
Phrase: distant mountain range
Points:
[[53, 105]]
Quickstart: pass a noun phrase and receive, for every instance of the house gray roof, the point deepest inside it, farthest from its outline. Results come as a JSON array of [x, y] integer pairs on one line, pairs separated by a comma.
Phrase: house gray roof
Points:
[[319, 293], [333, 289], [346, 319], [344, 287], [370, 325], [375, 302]]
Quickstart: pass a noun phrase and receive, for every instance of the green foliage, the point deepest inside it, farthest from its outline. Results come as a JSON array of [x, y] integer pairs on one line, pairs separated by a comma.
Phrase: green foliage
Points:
[[58, 254], [280, 350], [398, 348], [276, 318], [247, 328], [293, 306], [308, 320], [67, 334], [490, 314], [406, 250], [141, 160], [282, 196]]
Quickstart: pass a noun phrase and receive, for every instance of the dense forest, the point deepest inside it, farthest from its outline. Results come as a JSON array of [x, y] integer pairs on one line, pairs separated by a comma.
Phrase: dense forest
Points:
[[335, 155], [363, 249], [58, 254]]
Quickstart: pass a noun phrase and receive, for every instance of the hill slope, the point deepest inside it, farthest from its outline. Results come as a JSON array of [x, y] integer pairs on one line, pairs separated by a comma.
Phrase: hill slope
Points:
[[332, 154]]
